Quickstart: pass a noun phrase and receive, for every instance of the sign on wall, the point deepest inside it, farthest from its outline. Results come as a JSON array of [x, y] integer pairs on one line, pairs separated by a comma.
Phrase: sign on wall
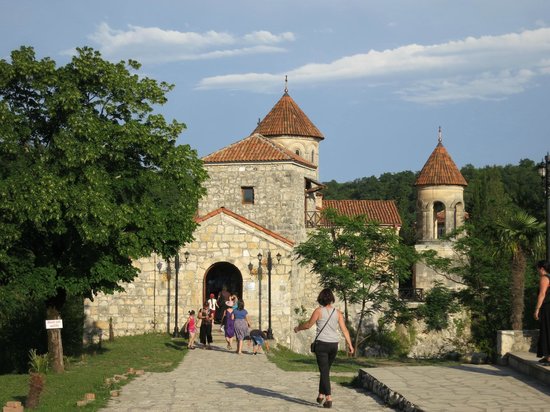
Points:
[[54, 324]]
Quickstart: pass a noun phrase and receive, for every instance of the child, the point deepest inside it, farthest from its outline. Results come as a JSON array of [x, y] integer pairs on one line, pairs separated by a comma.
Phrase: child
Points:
[[190, 327], [258, 338]]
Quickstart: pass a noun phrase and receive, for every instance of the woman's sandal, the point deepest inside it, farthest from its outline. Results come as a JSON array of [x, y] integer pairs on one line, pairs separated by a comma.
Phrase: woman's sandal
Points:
[[327, 404], [320, 400]]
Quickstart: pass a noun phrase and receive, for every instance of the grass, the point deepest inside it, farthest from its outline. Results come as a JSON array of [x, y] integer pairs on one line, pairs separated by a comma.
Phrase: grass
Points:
[[151, 352]]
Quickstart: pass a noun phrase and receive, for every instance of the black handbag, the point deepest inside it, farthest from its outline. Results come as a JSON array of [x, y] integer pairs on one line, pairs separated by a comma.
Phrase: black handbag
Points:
[[314, 343]]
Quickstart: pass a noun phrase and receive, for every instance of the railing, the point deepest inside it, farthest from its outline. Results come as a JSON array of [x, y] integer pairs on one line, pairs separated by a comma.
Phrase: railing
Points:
[[313, 219], [412, 294]]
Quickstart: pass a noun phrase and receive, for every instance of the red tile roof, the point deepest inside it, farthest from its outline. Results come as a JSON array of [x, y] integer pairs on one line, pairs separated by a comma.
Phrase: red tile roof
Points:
[[287, 119], [245, 221], [383, 211], [440, 170], [255, 148]]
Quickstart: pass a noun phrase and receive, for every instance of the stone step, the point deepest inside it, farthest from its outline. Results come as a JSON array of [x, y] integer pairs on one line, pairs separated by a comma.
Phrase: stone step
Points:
[[527, 363]]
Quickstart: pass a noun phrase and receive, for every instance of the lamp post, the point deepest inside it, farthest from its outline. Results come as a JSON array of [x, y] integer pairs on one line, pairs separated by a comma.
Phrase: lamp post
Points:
[[259, 291], [168, 278], [177, 265], [544, 171], [176, 284], [159, 267], [269, 268]]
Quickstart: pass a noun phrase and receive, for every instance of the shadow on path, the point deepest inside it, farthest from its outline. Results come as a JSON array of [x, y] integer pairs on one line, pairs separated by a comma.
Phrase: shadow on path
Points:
[[267, 392]]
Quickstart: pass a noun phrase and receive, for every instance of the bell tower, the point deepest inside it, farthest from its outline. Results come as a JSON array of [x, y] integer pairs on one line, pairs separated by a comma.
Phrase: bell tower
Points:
[[439, 211]]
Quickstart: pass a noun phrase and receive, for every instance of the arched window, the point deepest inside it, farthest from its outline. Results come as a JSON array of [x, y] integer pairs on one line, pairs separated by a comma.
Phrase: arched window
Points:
[[439, 220], [312, 156], [297, 151]]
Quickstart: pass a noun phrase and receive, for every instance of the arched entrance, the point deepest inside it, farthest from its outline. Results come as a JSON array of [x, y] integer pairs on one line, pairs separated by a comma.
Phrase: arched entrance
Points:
[[218, 276]]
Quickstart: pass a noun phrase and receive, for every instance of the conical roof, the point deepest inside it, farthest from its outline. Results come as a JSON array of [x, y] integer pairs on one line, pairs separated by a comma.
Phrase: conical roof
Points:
[[255, 148], [287, 119], [440, 169]]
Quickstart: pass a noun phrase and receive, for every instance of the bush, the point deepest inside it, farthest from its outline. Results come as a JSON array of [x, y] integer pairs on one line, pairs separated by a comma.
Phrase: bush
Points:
[[440, 303]]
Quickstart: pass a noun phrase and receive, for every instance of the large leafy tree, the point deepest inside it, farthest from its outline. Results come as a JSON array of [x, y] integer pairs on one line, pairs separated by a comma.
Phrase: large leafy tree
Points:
[[362, 261], [90, 179]]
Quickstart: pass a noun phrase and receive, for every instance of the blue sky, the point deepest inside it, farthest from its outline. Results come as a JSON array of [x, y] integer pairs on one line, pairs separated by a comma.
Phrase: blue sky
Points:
[[376, 77]]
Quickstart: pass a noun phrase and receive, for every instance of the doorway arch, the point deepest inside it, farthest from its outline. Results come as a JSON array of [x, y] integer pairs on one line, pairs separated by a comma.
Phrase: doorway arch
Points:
[[218, 276]]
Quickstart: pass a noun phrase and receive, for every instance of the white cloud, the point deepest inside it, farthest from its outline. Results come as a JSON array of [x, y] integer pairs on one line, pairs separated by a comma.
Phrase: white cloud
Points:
[[487, 67], [152, 44]]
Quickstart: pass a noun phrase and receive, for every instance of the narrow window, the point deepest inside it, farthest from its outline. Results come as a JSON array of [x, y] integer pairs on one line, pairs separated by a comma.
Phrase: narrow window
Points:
[[248, 195], [297, 151]]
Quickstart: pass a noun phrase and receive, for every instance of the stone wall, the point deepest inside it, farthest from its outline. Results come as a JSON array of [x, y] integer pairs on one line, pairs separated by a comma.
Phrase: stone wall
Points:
[[278, 190]]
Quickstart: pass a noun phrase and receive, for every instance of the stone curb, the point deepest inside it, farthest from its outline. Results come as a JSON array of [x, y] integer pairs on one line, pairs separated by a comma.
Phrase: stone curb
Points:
[[389, 397]]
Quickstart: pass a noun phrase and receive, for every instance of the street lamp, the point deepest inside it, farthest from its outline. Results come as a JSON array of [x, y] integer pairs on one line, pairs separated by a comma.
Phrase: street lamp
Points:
[[269, 267], [260, 291], [159, 267], [177, 266], [544, 171]]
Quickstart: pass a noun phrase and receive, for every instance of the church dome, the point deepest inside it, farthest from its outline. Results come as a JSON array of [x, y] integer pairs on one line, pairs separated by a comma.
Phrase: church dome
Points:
[[440, 169], [287, 119]]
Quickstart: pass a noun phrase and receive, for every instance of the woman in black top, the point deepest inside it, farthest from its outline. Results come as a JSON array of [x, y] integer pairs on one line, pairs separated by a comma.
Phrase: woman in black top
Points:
[[542, 312]]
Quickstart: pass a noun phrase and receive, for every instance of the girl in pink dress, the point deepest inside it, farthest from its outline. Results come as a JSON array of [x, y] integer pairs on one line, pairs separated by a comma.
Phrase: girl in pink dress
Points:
[[190, 326]]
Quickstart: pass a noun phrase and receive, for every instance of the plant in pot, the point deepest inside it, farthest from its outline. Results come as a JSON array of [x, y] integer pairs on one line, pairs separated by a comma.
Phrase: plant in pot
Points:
[[38, 366]]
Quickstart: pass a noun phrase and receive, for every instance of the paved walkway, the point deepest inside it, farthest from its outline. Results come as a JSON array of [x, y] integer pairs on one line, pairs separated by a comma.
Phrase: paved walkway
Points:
[[209, 379], [466, 388], [214, 380]]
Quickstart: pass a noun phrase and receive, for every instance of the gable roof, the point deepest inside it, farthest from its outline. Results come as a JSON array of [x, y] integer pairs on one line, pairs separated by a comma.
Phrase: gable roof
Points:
[[287, 119], [440, 170], [383, 211], [255, 148], [246, 222]]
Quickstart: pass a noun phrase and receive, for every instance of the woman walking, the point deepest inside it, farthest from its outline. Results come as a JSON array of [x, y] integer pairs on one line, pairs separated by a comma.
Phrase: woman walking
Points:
[[542, 312], [205, 333], [328, 319], [228, 324], [242, 324]]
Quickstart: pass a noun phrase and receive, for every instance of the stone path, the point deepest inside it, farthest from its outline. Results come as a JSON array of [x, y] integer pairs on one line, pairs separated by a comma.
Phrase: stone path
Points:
[[212, 379], [466, 388]]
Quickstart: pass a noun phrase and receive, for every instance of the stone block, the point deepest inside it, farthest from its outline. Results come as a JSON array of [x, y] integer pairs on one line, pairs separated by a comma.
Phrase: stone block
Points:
[[115, 393], [13, 406], [81, 403], [89, 396]]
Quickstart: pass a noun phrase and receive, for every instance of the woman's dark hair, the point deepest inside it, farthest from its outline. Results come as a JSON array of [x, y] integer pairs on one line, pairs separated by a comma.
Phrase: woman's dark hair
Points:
[[240, 305], [543, 264], [325, 297], [191, 312]]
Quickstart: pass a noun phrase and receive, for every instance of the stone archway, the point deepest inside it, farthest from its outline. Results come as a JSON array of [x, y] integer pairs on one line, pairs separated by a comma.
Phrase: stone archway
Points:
[[217, 276]]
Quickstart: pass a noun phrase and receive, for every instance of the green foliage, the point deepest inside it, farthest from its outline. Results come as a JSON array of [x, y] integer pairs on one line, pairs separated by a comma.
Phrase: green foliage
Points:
[[151, 352], [361, 261], [90, 177], [25, 329], [38, 363], [390, 343], [440, 302]]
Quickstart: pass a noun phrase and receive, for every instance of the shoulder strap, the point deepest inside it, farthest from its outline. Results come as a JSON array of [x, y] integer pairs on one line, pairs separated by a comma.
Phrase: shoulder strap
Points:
[[325, 323]]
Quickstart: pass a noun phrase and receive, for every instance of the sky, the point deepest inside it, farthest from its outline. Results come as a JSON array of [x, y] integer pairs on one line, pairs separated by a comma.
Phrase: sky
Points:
[[377, 78]]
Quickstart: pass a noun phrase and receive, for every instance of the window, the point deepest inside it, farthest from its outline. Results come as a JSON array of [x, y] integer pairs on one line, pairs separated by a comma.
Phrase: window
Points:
[[248, 195], [297, 151]]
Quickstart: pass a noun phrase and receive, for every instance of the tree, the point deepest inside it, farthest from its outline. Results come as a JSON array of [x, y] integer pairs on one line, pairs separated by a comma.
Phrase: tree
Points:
[[90, 179], [521, 234], [361, 261]]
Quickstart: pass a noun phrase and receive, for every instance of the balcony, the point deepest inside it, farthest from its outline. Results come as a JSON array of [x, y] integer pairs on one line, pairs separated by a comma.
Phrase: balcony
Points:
[[411, 294]]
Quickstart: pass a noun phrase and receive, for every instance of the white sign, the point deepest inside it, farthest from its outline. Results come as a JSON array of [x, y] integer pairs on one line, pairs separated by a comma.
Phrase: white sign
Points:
[[250, 286], [54, 324]]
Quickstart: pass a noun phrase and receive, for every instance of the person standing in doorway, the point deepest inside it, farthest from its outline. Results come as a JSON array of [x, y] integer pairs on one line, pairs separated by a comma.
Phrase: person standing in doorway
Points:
[[205, 335], [328, 319], [213, 304], [542, 312]]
